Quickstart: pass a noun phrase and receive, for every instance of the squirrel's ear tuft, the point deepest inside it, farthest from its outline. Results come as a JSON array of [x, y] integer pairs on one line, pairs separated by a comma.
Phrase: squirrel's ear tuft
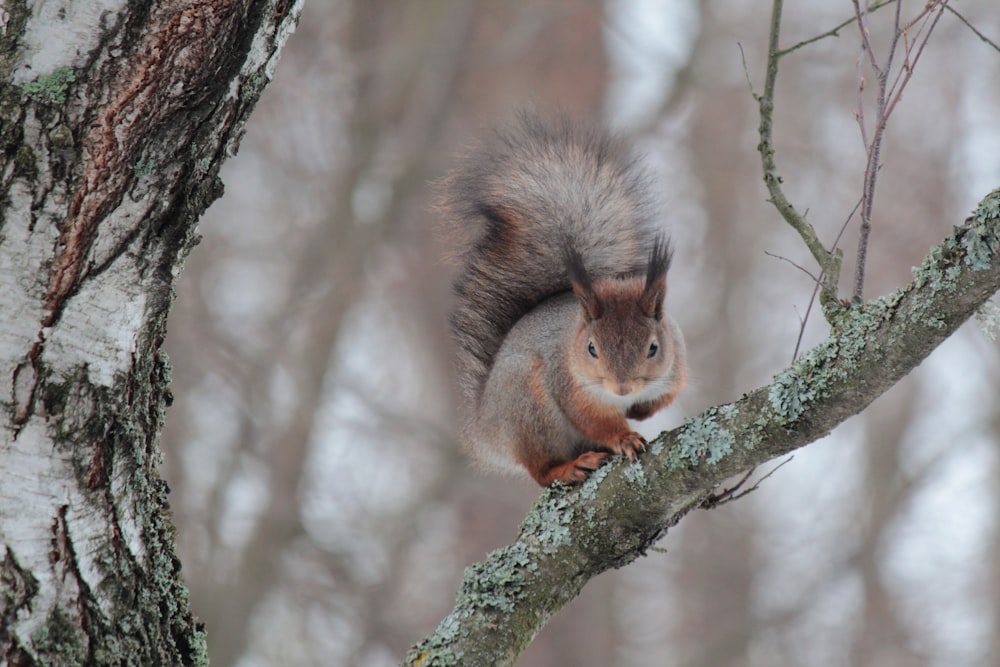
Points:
[[656, 279], [583, 287]]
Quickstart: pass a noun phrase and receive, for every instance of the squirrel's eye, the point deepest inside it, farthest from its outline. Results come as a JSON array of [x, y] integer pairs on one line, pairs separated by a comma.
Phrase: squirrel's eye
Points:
[[592, 349], [654, 347]]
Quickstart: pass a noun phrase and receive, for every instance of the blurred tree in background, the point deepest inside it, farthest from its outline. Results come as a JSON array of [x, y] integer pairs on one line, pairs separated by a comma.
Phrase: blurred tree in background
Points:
[[324, 511]]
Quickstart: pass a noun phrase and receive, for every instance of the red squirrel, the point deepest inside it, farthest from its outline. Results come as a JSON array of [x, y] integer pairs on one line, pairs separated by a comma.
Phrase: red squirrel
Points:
[[558, 319]]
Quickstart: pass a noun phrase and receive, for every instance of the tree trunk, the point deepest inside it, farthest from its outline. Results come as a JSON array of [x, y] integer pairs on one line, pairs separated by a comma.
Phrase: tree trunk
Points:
[[114, 121]]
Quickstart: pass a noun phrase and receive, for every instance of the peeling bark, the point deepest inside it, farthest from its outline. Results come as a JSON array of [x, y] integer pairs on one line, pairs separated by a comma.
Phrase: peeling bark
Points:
[[114, 121]]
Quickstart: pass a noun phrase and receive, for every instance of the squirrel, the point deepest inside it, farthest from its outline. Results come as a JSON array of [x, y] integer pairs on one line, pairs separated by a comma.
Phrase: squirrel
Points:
[[558, 318]]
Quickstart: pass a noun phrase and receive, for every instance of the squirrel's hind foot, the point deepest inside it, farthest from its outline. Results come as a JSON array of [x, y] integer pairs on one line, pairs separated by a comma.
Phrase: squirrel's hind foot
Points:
[[575, 471], [630, 444]]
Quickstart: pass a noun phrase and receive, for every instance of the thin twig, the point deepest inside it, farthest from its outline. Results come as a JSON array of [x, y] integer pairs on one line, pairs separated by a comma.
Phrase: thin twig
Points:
[[843, 227], [973, 28], [746, 72], [887, 96], [797, 266], [729, 495], [804, 322], [874, 146], [903, 77], [828, 262], [832, 32], [726, 494], [812, 298]]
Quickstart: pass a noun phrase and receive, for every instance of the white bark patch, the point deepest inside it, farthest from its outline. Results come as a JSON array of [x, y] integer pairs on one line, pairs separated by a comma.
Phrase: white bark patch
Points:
[[117, 226], [266, 47], [102, 335], [37, 482], [128, 521], [61, 33], [21, 292], [88, 533]]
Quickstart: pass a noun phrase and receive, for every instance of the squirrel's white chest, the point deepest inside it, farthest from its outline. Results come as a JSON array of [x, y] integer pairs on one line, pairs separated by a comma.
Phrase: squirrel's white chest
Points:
[[648, 393]]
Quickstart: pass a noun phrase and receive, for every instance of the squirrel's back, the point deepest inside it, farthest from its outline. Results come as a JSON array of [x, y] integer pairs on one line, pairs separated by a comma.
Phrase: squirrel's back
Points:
[[521, 200]]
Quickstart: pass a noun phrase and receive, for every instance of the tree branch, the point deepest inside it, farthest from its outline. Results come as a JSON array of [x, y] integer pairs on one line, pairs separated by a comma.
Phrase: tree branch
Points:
[[573, 534], [832, 32], [829, 262], [978, 33], [887, 95]]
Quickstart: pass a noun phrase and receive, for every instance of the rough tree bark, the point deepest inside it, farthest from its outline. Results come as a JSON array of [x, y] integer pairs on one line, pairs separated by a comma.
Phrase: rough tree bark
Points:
[[114, 120]]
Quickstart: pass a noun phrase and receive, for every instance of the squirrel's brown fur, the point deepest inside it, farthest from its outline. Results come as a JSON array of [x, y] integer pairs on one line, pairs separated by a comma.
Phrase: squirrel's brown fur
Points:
[[559, 318]]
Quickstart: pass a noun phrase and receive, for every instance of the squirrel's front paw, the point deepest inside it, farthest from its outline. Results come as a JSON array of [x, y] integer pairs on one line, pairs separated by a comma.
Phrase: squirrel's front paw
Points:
[[631, 444]]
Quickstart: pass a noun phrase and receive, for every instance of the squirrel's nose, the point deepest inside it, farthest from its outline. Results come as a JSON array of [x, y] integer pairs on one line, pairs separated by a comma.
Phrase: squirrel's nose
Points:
[[624, 388]]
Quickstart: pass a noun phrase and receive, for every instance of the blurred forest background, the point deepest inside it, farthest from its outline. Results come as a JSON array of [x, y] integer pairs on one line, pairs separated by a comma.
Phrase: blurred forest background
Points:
[[324, 510]]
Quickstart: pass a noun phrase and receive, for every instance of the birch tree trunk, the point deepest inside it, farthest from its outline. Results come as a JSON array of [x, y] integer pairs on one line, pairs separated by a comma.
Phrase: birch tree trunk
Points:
[[114, 120]]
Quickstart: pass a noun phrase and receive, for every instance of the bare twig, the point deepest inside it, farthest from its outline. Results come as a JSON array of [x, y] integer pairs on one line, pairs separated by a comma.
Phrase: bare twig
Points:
[[816, 288], [804, 322], [726, 494], [890, 85], [801, 268], [971, 27], [847, 222], [905, 72], [888, 93], [817, 285], [833, 32], [746, 72], [828, 262], [730, 494]]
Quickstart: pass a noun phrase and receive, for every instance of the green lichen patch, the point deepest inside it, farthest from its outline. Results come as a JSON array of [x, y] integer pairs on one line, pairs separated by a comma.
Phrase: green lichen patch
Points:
[[981, 239], [635, 474], [790, 395], [701, 438], [941, 268], [798, 387], [436, 651], [588, 490], [549, 521], [728, 411], [50, 88], [58, 642], [497, 582]]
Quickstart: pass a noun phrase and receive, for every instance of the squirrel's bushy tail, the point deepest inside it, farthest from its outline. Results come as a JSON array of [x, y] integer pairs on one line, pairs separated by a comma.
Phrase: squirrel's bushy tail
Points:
[[520, 199]]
